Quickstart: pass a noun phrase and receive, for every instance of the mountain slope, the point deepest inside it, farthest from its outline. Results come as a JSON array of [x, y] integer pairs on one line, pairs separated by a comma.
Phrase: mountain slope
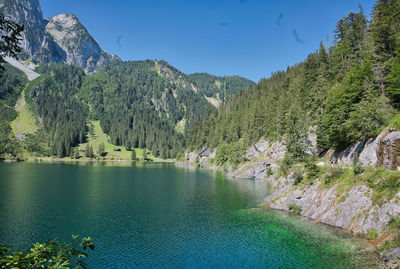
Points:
[[61, 38], [142, 104]]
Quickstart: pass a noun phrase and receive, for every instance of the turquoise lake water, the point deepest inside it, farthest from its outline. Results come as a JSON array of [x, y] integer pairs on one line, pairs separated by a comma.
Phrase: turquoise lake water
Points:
[[160, 216]]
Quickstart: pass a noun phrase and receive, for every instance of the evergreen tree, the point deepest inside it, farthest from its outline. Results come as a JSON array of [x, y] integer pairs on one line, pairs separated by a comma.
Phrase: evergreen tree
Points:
[[87, 151], [91, 155], [128, 146], [102, 149], [77, 153]]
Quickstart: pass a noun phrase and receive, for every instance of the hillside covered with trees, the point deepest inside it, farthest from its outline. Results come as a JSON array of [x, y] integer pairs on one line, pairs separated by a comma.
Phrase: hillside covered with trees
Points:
[[139, 104], [350, 90]]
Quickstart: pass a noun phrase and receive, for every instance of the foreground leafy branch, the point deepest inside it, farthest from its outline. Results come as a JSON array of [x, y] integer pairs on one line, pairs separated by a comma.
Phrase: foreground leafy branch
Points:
[[51, 254]]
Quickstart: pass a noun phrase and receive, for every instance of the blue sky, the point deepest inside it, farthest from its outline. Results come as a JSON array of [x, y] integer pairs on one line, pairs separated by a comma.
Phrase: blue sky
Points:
[[251, 38]]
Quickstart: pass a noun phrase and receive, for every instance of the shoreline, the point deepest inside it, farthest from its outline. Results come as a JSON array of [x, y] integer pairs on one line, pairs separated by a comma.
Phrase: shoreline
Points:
[[281, 196], [80, 160]]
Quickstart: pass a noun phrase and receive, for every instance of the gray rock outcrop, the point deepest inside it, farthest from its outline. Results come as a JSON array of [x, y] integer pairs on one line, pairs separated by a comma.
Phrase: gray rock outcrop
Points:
[[384, 150], [252, 170], [352, 210], [391, 257]]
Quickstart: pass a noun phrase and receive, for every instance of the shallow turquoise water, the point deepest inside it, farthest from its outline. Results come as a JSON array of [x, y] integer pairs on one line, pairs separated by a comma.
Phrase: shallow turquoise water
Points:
[[156, 215]]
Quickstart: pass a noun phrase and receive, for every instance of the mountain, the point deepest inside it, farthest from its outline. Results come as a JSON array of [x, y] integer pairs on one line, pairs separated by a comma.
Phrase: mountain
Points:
[[142, 104], [61, 38]]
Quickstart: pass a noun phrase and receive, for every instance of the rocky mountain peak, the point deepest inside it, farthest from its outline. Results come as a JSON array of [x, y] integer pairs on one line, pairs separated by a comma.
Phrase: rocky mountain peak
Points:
[[79, 46], [61, 38]]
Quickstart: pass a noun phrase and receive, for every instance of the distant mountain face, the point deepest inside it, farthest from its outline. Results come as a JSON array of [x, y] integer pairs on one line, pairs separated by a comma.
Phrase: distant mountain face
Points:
[[61, 38]]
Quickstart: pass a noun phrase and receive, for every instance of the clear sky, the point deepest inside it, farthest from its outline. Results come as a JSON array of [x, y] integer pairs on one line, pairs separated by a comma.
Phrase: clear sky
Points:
[[251, 38]]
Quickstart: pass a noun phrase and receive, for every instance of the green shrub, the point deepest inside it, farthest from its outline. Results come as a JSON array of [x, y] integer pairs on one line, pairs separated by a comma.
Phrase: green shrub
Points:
[[180, 157], [357, 165], [333, 174], [395, 121], [286, 164], [295, 209], [312, 168], [269, 172], [372, 234], [394, 223], [298, 176], [231, 153]]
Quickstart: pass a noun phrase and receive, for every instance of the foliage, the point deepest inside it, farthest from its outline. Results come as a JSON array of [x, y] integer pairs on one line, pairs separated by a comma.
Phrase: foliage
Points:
[[51, 254], [221, 88], [10, 37], [394, 226], [357, 165], [332, 175], [311, 168], [133, 155], [298, 176], [53, 97], [102, 150], [12, 83], [295, 209], [230, 153], [372, 234], [286, 164]]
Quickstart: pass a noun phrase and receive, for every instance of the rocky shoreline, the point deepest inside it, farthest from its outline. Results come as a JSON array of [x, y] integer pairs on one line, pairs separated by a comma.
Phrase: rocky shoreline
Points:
[[352, 210]]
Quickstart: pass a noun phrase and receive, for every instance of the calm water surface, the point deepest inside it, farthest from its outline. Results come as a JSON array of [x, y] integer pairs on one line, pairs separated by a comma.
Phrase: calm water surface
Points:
[[156, 215]]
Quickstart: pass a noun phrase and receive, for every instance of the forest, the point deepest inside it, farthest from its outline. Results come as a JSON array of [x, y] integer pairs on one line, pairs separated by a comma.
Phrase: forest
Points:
[[139, 104], [350, 90]]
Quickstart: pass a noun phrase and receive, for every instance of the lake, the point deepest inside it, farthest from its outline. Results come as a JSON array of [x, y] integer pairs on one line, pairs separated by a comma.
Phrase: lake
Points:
[[157, 215]]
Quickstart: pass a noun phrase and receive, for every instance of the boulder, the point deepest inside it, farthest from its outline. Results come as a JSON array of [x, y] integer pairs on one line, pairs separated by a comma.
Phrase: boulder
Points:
[[254, 151], [391, 257]]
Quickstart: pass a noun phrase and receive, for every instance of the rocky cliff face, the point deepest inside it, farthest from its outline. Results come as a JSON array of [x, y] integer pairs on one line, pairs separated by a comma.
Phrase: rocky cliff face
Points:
[[384, 150], [58, 39], [28, 13], [352, 210]]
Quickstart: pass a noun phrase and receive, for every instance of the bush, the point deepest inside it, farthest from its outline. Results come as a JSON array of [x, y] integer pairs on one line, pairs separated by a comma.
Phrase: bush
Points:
[[357, 165], [298, 176], [372, 234], [231, 153], [269, 172], [295, 209], [180, 157], [311, 168], [332, 175], [394, 224], [286, 164]]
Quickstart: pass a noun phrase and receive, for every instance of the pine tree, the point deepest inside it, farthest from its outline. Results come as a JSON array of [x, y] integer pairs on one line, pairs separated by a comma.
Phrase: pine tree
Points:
[[87, 149], [128, 146], [101, 149], [77, 153], [91, 155]]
